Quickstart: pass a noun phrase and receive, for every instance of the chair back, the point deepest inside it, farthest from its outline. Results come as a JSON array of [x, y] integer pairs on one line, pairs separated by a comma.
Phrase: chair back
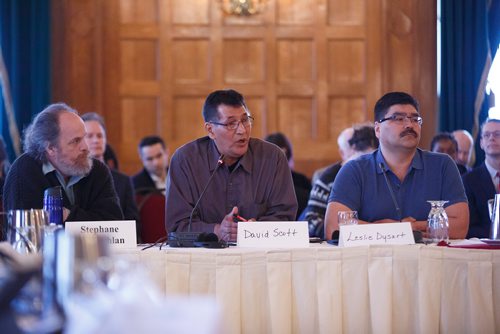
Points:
[[151, 207]]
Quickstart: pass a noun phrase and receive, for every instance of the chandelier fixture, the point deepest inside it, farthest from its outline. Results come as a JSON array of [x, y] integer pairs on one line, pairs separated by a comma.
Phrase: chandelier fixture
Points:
[[242, 7]]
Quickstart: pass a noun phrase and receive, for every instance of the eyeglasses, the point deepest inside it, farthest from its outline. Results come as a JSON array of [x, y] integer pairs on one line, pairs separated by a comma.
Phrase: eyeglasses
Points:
[[400, 119], [233, 125], [488, 135]]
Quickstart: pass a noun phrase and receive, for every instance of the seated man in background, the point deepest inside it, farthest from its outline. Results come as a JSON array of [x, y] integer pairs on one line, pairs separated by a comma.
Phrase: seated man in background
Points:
[[56, 154], [482, 183], [363, 141], [96, 141], [241, 175], [465, 144], [344, 149], [413, 176], [301, 183], [154, 156], [445, 143]]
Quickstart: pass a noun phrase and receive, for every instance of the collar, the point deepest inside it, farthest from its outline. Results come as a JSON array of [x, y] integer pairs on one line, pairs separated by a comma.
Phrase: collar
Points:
[[47, 168], [416, 162], [492, 171], [245, 161]]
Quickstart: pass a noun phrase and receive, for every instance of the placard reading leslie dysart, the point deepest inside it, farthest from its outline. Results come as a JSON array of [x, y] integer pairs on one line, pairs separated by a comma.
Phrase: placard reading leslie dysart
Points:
[[273, 234], [376, 234], [120, 233]]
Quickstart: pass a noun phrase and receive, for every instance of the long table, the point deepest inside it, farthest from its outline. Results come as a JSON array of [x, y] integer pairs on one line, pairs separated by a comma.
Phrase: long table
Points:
[[326, 289]]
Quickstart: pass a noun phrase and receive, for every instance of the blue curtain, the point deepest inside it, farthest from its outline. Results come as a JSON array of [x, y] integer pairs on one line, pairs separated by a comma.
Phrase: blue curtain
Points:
[[470, 31], [25, 46]]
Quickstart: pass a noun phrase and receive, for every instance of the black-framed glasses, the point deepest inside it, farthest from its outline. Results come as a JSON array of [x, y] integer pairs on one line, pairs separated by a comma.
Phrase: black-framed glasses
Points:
[[233, 125], [400, 119]]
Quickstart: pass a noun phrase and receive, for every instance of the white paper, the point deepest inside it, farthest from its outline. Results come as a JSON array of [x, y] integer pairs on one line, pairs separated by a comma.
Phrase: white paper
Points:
[[273, 234], [376, 234], [120, 233]]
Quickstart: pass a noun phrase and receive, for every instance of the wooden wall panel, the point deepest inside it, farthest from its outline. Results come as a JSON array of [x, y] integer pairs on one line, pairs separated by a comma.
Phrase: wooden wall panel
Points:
[[192, 61], [244, 61], [308, 68]]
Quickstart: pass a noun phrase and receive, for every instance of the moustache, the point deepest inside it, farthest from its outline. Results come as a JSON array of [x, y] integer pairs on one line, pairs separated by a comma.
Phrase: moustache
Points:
[[408, 132]]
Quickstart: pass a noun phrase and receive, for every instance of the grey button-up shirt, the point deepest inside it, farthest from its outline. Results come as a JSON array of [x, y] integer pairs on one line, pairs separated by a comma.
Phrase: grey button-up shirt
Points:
[[260, 186]]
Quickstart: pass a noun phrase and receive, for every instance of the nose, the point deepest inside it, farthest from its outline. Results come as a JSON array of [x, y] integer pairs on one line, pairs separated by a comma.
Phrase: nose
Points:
[[84, 146]]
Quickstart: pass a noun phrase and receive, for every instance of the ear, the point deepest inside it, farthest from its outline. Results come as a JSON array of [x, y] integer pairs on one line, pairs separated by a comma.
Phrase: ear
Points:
[[377, 129], [50, 149], [209, 128], [481, 144]]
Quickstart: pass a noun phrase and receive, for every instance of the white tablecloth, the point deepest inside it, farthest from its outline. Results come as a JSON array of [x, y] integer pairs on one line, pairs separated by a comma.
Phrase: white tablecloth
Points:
[[326, 289]]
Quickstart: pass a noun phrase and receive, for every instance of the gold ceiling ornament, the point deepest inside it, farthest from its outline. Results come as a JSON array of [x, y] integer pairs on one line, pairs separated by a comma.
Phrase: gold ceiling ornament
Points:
[[243, 7]]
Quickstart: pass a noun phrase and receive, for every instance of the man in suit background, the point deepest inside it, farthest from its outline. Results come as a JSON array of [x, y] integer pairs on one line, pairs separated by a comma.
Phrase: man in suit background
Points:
[[154, 156], [482, 183], [465, 147]]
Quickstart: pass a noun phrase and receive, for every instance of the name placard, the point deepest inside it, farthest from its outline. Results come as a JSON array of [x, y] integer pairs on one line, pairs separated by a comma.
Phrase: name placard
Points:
[[273, 234], [120, 233], [376, 234]]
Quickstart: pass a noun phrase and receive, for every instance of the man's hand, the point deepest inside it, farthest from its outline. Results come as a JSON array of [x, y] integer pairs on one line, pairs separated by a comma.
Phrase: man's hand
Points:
[[227, 230], [66, 213]]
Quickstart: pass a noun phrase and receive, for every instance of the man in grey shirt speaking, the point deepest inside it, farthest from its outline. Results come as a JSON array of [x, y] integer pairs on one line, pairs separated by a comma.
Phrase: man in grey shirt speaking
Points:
[[244, 177]]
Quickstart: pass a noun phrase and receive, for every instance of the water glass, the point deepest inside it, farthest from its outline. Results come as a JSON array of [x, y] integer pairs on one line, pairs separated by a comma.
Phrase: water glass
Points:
[[437, 222], [347, 218]]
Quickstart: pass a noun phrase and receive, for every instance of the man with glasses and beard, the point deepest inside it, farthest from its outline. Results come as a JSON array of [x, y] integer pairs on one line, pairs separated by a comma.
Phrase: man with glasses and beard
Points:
[[243, 176], [56, 154], [414, 176]]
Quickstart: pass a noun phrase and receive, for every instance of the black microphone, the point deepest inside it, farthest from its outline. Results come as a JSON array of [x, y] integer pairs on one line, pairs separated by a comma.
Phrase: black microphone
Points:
[[193, 239], [398, 210]]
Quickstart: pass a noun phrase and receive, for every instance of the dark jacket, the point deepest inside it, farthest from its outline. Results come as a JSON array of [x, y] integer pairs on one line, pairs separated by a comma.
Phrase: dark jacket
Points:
[[479, 188], [143, 181], [125, 192]]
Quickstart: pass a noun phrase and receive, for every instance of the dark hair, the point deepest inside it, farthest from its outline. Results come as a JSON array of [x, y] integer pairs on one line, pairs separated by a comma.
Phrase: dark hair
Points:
[[489, 120], [281, 141], [390, 99], [150, 141], [363, 138], [110, 157], [442, 137], [227, 97], [93, 116], [44, 130]]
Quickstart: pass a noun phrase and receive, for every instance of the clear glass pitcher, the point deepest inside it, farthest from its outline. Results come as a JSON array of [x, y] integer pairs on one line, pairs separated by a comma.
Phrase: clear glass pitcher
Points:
[[437, 222]]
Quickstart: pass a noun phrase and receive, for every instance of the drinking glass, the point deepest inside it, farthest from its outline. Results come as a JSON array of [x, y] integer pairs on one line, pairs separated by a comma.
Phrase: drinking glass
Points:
[[25, 229], [437, 222], [347, 218]]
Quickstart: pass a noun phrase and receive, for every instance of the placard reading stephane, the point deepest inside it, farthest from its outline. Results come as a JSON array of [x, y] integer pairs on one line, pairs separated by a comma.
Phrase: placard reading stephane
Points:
[[120, 233], [273, 234], [376, 234]]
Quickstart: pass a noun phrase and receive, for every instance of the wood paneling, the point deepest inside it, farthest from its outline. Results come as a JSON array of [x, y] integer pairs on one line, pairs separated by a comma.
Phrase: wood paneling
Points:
[[308, 68]]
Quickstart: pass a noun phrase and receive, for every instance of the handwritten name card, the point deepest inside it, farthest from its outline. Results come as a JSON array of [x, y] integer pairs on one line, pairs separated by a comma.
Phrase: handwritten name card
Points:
[[120, 233], [376, 234], [273, 234]]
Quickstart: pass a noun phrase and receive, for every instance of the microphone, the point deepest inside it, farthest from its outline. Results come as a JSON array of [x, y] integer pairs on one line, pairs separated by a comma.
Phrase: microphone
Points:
[[398, 210], [197, 239]]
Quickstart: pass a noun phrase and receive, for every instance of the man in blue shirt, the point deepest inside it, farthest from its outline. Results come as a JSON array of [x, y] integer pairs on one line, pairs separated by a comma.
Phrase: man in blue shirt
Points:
[[415, 176]]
